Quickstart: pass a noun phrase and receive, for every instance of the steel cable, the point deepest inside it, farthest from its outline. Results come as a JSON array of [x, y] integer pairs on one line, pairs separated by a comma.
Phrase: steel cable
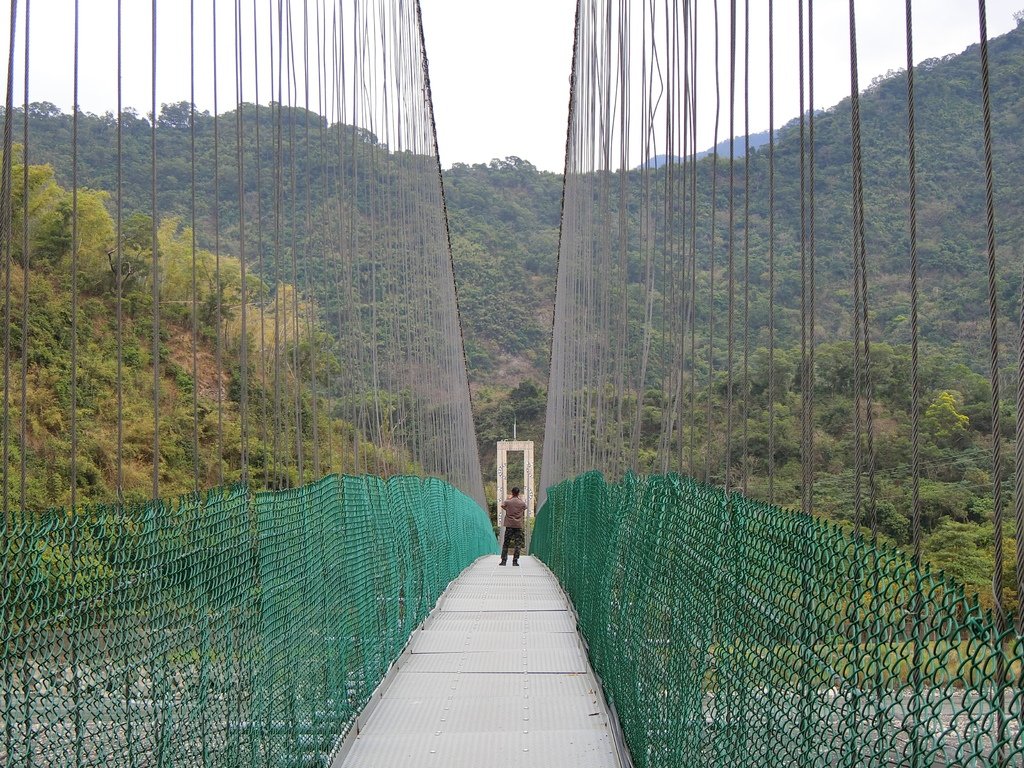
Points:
[[915, 400], [196, 463], [811, 284], [73, 372], [745, 403], [915, 365], [772, 395], [26, 264], [118, 272], [709, 389], [805, 391], [6, 252], [993, 323], [154, 258], [260, 263], [731, 292], [243, 350]]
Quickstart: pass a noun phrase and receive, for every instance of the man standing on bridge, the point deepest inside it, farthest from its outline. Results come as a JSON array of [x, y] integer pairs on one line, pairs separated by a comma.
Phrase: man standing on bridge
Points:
[[515, 516]]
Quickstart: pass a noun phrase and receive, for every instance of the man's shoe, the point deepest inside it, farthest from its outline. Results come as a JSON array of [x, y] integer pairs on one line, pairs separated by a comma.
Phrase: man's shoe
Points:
[[504, 563], [515, 562]]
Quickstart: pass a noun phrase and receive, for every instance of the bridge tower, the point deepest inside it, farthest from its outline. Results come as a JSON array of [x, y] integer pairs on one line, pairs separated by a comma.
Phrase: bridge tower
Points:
[[504, 448]]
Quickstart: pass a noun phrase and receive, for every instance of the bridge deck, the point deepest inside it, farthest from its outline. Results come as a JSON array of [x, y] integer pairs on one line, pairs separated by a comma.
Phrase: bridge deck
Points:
[[496, 677]]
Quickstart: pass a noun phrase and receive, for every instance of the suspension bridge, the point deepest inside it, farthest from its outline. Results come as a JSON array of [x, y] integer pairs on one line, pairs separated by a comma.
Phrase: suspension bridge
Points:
[[244, 521]]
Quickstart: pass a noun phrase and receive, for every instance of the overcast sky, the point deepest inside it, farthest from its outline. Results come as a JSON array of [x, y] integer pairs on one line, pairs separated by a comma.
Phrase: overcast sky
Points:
[[499, 70]]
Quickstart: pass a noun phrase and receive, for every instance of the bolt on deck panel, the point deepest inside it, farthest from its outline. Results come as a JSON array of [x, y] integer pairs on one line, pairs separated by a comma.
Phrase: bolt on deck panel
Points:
[[528, 661], [493, 685], [566, 749], [503, 621], [496, 677], [476, 641]]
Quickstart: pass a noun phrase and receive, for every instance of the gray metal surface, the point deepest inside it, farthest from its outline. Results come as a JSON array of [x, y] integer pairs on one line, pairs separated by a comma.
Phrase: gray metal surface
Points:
[[441, 641], [497, 677], [503, 621]]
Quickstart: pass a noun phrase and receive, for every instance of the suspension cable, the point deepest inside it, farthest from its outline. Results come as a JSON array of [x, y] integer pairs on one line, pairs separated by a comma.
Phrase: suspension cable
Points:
[[119, 254], [6, 242], [26, 264], [915, 333], [993, 325], [243, 351], [155, 263], [195, 292], [771, 252]]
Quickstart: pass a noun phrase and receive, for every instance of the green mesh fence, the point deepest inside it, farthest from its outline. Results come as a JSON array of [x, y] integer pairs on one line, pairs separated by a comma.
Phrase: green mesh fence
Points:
[[731, 632], [223, 629]]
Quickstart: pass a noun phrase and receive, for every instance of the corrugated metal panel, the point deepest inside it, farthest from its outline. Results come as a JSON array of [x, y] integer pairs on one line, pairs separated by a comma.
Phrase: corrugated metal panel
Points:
[[543, 749], [492, 715], [502, 603], [528, 660], [503, 621], [472, 641], [439, 685], [519, 589]]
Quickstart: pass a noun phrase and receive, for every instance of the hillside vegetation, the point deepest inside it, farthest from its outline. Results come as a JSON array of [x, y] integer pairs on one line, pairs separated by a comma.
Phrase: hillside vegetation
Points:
[[199, 343]]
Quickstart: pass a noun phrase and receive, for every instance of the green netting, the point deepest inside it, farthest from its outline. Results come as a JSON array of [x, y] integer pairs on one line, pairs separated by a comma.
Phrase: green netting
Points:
[[730, 632], [223, 629]]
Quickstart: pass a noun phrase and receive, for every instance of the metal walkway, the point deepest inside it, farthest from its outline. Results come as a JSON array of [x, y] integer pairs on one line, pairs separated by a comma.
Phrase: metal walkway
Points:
[[496, 677]]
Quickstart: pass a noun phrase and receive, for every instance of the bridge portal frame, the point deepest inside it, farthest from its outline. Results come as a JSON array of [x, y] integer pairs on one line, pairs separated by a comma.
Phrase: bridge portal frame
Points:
[[505, 447]]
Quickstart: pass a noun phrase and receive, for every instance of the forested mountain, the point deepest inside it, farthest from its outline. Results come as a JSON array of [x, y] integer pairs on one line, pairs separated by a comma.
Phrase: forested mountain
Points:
[[201, 423], [504, 219], [505, 215]]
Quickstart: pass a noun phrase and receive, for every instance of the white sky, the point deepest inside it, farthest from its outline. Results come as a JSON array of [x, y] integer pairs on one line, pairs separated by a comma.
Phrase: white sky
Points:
[[499, 70]]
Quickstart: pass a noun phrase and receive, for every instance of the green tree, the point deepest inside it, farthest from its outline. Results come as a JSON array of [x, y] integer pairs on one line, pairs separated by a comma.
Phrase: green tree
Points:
[[944, 423]]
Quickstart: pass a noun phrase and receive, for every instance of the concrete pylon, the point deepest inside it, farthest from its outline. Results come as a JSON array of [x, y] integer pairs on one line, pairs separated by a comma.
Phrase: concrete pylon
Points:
[[504, 448]]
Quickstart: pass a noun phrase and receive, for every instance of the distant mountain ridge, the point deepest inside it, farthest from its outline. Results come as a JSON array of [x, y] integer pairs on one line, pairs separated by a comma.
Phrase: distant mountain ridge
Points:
[[757, 140]]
